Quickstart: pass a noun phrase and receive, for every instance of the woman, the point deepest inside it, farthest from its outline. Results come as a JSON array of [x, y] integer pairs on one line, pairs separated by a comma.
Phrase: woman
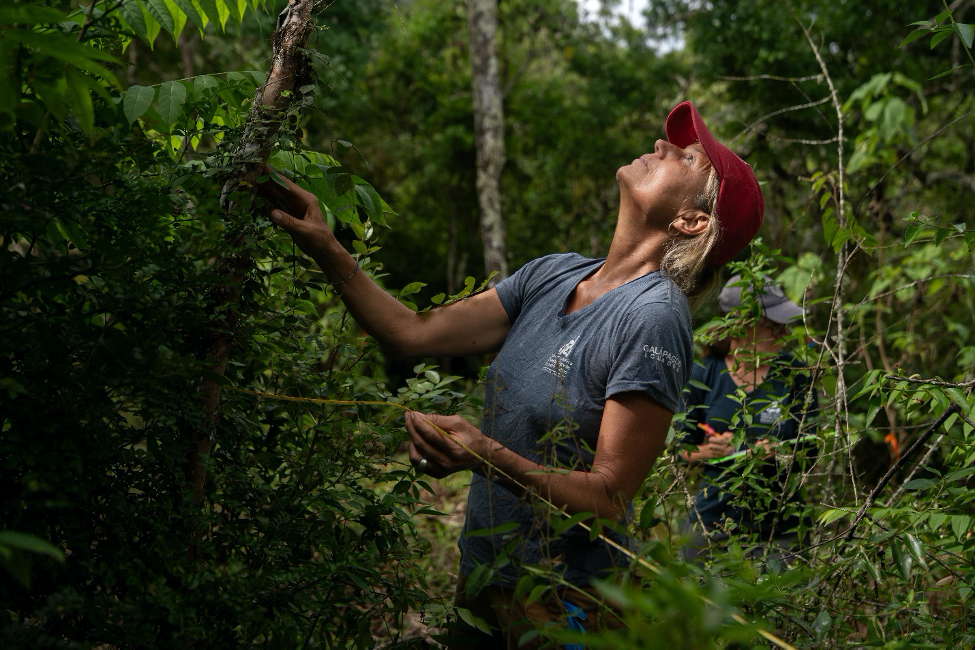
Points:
[[592, 359], [756, 388]]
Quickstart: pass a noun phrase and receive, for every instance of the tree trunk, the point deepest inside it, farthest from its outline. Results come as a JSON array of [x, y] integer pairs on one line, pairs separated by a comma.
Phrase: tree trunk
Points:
[[489, 131], [290, 70]]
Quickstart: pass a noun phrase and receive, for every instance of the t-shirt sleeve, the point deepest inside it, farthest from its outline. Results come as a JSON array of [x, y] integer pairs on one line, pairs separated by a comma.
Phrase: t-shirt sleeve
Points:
[[653, 355], [514, 290]]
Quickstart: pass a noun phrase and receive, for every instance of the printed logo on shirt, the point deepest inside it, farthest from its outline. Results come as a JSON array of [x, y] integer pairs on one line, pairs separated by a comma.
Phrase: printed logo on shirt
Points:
[[770, 415], [661, 355], [559, 364]]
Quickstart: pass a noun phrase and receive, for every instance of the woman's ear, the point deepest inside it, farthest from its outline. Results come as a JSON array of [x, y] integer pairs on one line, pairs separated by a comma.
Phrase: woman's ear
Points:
[[691, 222]]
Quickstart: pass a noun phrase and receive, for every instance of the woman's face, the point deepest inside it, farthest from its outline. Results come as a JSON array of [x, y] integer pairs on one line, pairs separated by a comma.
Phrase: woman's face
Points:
[[665, 183], [765, 336]]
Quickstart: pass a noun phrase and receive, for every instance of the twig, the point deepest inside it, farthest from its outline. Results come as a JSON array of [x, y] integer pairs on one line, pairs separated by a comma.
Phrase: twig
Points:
[[779, 111], [933, 382], [920, 441], [773, 77]]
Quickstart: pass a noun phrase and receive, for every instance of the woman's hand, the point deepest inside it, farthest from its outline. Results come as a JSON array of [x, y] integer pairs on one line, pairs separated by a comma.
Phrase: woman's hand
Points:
[[297, 212], [765, 448], [717, 446], [445, 454]]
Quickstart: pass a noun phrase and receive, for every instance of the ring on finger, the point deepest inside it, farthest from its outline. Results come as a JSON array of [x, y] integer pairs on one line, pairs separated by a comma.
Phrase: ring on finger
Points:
[[421, 465]]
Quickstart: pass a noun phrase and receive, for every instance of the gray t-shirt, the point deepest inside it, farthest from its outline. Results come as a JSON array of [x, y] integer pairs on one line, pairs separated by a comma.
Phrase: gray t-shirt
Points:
[[545, 394]]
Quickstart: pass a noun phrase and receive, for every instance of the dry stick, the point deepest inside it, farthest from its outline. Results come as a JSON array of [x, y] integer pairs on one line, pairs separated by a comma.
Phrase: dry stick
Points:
[[644, 563], [289, 70], [920, 441], [841, 393]]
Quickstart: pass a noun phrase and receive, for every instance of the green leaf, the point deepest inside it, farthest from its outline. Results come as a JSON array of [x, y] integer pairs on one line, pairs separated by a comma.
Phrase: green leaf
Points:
[[902, 560], [81, 101], [919, 33], [912, 230], [822, 623], [204, 86], [950, 71], [159, 11], [73, 232], [24, 14], [829, 224], [960, 399], [960, 525], [172, 95], [831, 515], [209, 7], [136, 101], [939, 37], [477, 579], [192, 14], [562, 525], [919, 484], [61, 47], [412, 288], [966, 33], [31, 544], [917, 549], [132, 14], [179, 20], [473, 620], [648, 517]]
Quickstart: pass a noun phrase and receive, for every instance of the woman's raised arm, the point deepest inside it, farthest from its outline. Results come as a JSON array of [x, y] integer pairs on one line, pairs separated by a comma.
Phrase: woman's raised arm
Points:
[[477, 325]]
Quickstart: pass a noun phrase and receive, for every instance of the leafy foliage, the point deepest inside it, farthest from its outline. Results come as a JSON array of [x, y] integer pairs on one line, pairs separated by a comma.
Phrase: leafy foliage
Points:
[[110, 228]]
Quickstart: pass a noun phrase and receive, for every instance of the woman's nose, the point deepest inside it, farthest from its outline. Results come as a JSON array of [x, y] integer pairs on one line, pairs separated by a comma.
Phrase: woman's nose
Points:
[[663, 148]]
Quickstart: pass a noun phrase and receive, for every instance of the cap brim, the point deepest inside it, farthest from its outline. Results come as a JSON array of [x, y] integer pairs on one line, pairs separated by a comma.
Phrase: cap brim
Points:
[[684, 126]]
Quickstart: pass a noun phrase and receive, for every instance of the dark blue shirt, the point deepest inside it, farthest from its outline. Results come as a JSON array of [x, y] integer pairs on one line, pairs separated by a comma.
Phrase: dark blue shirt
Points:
[[774, 410]]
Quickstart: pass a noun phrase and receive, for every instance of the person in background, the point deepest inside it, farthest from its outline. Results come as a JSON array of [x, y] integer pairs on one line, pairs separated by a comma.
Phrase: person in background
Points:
[[747, 394]]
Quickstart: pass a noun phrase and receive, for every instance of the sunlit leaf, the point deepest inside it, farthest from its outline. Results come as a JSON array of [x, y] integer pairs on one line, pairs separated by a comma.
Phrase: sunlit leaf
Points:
[[159, 11]]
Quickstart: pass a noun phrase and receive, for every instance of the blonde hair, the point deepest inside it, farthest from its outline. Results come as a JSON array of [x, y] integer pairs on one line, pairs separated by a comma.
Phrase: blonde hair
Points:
[[686, 257]]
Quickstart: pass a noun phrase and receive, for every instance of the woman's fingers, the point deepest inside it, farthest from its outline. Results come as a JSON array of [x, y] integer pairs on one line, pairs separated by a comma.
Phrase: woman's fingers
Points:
[[290, 196], [285, 220]]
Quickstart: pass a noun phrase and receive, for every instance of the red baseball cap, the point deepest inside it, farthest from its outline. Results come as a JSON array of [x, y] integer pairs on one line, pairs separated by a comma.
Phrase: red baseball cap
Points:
[[740, 205]]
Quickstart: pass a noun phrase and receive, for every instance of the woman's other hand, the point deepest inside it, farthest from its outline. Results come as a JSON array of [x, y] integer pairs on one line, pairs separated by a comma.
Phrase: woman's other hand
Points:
[[718, 446], [715, 446], [445, 454], [765, 448], [297, 212]]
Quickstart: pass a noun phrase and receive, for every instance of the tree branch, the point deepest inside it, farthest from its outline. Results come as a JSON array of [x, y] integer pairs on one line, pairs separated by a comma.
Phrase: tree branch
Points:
[[290, 69], [920, 441]]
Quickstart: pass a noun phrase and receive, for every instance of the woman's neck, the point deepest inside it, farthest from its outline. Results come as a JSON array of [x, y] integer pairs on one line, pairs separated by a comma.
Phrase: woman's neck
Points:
[[635, 250]]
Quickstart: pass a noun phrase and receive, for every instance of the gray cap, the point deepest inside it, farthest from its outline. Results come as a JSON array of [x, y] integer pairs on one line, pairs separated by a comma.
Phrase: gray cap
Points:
[[775, 303]]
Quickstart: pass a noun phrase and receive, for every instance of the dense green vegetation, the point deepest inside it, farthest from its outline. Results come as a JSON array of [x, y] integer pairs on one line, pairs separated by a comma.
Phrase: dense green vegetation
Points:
[[119, 122]]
